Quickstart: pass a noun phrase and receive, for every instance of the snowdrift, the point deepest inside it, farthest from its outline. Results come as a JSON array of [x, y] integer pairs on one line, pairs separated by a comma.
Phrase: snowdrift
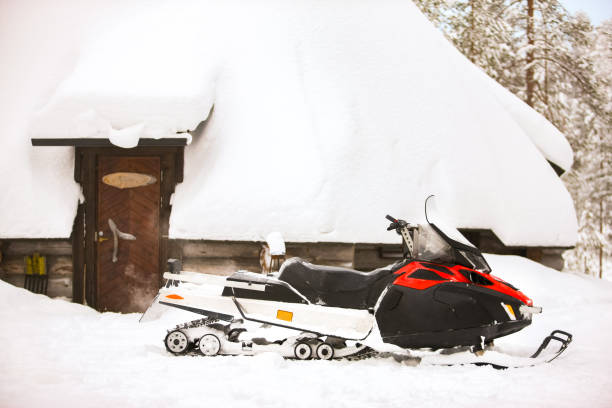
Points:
[[58, 353]]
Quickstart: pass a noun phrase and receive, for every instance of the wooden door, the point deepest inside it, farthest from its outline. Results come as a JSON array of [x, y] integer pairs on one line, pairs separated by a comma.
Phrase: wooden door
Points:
[[127, 259]]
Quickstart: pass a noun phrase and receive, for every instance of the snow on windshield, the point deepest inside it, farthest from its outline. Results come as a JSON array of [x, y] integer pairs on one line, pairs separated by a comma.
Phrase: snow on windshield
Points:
[[438, 215]]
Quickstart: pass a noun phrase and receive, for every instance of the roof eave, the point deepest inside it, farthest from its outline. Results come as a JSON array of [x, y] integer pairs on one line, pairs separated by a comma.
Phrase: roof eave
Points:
[[90, 142]]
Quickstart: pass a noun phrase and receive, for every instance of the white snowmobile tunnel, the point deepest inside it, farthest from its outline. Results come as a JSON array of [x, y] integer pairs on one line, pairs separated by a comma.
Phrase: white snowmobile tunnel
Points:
[[299, 314]]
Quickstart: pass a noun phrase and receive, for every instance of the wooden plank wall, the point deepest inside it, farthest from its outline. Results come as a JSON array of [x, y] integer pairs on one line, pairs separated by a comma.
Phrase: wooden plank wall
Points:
[[368, 257], [226, 257], [488, 242], [216, 257], [59, 263]]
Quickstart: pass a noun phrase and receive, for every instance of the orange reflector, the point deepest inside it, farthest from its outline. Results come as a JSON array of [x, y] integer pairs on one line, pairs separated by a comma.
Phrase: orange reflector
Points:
[[509, 311], [174, 297], [283, 315]]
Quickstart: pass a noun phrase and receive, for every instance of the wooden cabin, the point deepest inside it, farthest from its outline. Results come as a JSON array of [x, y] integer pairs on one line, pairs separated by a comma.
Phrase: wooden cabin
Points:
[[126, 142], [90, 268]]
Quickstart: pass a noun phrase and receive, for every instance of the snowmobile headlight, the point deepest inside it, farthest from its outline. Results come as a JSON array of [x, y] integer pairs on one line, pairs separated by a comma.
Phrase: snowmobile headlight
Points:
[[527, 311]]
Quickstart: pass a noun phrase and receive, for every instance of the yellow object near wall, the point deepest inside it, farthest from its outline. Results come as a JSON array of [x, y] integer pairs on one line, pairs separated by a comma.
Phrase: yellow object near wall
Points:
[[36, 265], [36, 274]]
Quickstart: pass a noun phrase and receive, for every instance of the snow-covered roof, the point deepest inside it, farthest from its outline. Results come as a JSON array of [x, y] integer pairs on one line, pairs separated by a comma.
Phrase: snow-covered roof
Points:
[[544, 135], [327, 116]]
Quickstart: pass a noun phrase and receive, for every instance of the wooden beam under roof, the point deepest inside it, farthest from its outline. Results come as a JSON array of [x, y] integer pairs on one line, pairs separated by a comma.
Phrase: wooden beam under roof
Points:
[[89, 142]]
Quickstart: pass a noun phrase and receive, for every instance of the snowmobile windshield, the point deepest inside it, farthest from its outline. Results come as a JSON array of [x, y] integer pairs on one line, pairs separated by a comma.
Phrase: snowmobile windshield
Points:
[[433, 245], [436, 215], [430, 246], [440, 241]]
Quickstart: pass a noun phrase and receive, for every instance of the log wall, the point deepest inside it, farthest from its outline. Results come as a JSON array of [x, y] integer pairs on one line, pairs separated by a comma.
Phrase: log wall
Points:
[[59, 263], [226, 257]]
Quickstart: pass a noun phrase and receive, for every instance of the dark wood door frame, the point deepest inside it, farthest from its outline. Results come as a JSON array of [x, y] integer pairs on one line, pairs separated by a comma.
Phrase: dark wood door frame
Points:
[[84, 229]]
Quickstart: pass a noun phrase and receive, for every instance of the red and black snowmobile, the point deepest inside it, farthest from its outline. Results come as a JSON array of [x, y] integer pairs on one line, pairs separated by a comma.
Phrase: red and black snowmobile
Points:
[[441, 295]]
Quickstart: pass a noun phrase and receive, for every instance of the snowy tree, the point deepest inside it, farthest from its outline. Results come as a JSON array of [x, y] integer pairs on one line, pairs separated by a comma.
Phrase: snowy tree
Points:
[[557, 56], [435, 10], [480, 29], [590, 181], [561, 66], [482, 36], [476, 29]]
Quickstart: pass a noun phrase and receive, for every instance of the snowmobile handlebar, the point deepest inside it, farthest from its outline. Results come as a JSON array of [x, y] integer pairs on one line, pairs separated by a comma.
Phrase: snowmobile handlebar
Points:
[[397, 224], [390, 218]]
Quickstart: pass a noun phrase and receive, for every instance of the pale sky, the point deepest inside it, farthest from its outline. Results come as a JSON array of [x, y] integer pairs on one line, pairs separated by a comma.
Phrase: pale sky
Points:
[[597, 10]]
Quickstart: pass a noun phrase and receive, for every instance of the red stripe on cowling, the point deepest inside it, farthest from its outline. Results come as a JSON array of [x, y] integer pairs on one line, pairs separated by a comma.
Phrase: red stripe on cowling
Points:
[[453, 275]]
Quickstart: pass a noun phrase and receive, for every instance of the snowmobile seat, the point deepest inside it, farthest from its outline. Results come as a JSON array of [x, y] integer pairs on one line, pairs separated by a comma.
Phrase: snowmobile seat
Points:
[[335, 286]]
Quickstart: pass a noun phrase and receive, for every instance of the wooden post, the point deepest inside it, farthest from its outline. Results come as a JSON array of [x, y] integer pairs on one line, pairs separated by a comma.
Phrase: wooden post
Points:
[[88, 175], [78, 259]]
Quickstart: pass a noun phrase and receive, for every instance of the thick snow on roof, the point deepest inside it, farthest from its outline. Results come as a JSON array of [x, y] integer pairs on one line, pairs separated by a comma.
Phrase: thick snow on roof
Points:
[[38, 47], [547, 138], [327, 116]]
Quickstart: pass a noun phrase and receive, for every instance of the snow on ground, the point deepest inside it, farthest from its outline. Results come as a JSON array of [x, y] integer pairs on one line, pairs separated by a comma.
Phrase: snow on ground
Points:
[[55, 353]]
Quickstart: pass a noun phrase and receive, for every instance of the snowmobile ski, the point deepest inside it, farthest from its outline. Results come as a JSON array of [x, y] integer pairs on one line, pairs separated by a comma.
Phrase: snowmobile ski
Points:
[[502, 361]]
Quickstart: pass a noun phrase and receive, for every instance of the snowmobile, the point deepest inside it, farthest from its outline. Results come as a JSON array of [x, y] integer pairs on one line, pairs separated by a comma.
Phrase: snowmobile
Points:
[[440, 295]]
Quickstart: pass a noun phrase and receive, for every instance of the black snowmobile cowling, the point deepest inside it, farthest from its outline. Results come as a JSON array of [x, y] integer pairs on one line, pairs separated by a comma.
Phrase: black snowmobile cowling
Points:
[[420, 304], [440, 295]]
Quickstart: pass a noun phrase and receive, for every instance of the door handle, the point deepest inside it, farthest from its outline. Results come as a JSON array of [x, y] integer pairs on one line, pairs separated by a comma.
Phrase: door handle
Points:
[[116, 236]]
